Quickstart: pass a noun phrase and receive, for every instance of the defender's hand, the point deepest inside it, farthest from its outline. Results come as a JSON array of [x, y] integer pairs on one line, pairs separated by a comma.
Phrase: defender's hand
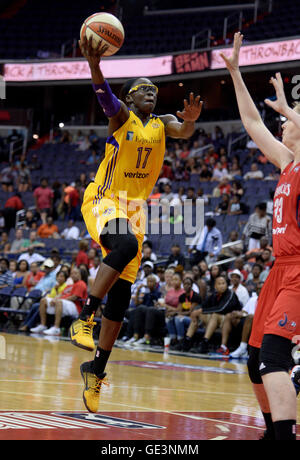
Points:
[[192, 109], [232, 63], [280, 105]]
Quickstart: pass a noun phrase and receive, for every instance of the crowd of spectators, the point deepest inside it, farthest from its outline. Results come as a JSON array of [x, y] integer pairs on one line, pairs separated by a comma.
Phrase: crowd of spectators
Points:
[[187, 296]]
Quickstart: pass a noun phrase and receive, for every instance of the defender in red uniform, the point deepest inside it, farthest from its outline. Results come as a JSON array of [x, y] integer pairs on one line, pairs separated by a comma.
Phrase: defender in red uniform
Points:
[[277, 316]]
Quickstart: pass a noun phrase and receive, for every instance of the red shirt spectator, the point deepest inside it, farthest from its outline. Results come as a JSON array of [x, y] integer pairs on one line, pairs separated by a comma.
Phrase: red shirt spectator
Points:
[[32, 279], [14, 202], [78, 289], [82, 258], [43, 196]]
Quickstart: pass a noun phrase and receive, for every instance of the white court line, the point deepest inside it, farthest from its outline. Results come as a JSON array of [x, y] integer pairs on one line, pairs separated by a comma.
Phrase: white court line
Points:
[[49, 382]]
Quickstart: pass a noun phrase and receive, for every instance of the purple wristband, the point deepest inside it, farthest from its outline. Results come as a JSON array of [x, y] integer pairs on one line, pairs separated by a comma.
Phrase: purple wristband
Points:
[[108, 101]]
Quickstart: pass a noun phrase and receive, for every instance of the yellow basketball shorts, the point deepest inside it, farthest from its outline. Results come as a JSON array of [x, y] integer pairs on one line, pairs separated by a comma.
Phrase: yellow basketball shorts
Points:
[[97, 212]]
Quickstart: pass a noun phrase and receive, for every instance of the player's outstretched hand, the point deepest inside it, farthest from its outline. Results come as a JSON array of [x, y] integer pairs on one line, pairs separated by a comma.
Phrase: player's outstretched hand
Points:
[[232, 63], [192, 109], [93, 55], [280, 105]]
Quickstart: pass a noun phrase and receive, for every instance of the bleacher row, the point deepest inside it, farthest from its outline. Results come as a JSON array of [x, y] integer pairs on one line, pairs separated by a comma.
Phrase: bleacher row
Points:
[[38, 26]]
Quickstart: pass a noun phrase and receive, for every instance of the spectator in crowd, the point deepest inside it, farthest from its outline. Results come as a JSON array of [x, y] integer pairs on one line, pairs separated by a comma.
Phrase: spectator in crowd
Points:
[[202, 195], [170, 303], [148, 269], [4, 243], [20, 274], [31, 256], [255, 173], [219, 172], [71, 232], [8, 178], [236, 188], [6, 278], [43, 196], [32, 241], [212, 314], [33, 276], [24, 178], [48, 230], [180, 322], [145, 316], [223, 187], [205, 174], [223, 206], [259, 224], [236, 207], [234, 170], [176, 257], [67, 303], [236, 286], [240, 265], [11, 207], [243, 320], [155, 197], [147, 253], [167, 285], [31, 220], [74, 202], [168, 194], [13, 265], [82, 255], [254, 278], [235, 250], [215, 272], [18, 242], [93, 271], [206, 243]]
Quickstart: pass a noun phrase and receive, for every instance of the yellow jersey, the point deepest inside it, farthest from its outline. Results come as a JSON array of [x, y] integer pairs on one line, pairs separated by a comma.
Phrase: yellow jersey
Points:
[[133, 159]]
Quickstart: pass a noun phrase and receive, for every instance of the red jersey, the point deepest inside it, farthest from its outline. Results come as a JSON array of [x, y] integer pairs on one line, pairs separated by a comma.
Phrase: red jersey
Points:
[[286, 215]]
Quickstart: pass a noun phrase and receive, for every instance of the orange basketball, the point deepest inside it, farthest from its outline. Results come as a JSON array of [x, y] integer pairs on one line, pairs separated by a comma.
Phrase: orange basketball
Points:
[[104, 27]]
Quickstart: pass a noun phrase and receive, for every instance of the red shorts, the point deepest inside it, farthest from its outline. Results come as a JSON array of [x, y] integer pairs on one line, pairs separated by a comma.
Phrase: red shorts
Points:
[[278, 307]]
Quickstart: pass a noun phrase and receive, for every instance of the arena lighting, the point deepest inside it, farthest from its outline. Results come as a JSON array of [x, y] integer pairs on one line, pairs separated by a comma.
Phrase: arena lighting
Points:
[[35, 136], [61, 125]]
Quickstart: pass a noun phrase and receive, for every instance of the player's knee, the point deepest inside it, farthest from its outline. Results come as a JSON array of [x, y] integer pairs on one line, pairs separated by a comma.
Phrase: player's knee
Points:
[[253, 366], [118, 300], [275, 354]]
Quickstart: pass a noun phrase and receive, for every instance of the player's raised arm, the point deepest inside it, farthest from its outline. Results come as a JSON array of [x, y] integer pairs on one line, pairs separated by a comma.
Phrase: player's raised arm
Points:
[[189, 115], [274, 150], [114, 109]]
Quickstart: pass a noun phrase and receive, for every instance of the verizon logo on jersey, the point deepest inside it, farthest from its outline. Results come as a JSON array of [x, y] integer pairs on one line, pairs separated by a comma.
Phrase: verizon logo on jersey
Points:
[[135, 175]]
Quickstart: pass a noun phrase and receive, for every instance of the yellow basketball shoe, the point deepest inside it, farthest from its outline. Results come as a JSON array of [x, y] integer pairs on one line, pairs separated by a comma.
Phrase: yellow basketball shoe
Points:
[[91, 392], [81, 333]]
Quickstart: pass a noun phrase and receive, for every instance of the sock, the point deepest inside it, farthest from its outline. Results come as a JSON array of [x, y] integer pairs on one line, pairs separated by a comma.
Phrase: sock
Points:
[[100, 360], [269, 424], [285, 430], [224, 347], [243, 346], [91, 305]]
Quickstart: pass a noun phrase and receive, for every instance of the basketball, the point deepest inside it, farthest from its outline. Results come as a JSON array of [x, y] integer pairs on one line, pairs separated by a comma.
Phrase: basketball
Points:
[[104, 27]]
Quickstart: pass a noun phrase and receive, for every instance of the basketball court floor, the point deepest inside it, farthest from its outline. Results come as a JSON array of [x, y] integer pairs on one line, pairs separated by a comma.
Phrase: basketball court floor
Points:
[[151, 396]]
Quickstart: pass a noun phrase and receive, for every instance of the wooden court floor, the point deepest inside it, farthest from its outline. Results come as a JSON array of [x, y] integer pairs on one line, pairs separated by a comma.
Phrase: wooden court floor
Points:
[[151, 395]]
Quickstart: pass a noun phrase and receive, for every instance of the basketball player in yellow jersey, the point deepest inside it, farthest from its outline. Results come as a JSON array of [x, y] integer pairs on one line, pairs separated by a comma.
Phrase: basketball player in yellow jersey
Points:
[[113, 205]]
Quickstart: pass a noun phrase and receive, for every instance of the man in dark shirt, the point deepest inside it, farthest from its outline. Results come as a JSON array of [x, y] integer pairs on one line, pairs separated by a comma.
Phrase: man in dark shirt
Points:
[[147, 311], [176, 258]]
